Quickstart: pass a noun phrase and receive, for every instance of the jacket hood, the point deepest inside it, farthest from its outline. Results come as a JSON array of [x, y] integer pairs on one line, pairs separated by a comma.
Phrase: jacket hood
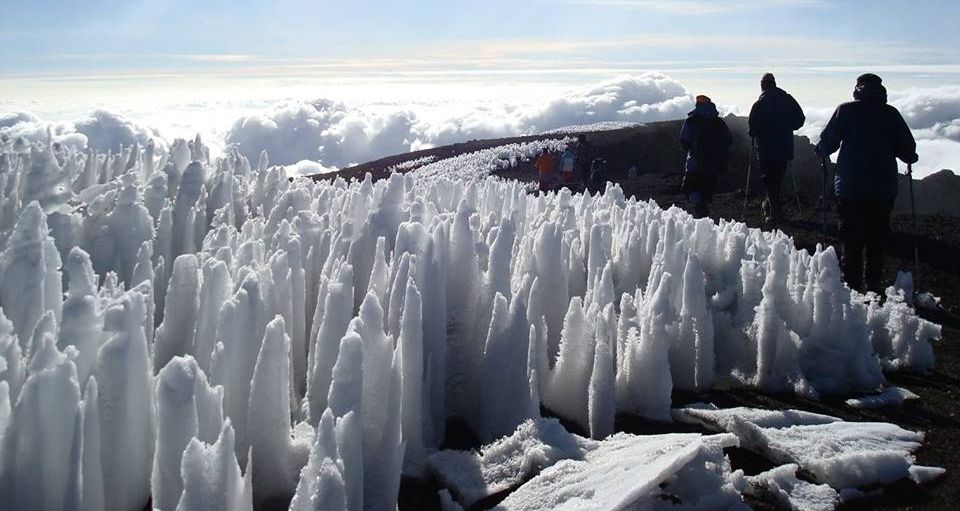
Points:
[[870, 91], [706, 110]]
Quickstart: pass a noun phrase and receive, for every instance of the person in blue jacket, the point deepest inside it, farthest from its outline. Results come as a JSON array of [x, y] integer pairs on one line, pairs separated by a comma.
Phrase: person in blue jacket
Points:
[[773, 119], [870, 135], [706, 139]]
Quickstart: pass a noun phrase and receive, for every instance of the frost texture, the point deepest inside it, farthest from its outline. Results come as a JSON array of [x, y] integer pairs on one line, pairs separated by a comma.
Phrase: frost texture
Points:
[[173, 314]]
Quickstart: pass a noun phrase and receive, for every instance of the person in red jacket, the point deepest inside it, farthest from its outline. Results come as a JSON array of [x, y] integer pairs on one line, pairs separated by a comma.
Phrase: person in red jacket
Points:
[[545, 165]]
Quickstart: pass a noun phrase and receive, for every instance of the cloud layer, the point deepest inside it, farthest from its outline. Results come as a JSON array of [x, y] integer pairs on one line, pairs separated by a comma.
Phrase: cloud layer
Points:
[[102, 130], [337, 135]]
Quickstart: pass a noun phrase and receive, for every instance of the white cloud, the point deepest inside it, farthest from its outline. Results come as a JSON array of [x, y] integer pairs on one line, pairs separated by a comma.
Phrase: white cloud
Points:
[[337, 135], [933, 112], [108, 131], [101, 130]]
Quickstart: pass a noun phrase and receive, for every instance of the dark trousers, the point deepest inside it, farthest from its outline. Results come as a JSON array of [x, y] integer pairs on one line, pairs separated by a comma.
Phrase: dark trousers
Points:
[[864, 225], [773, 173], [698, 187]]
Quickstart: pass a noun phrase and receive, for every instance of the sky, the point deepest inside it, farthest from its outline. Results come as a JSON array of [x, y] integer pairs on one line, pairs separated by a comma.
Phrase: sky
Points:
[[179, 64]]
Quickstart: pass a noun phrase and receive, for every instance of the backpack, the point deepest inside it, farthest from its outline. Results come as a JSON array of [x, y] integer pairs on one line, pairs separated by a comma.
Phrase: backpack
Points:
[[711, 149]]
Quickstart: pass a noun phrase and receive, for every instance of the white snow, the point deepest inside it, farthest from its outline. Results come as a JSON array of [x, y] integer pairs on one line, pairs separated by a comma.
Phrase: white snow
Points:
[[596, 126], [166, 310]]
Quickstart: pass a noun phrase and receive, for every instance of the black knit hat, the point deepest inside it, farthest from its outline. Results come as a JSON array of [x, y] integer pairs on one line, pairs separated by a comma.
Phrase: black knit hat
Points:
[[869, 78], [768, 78]]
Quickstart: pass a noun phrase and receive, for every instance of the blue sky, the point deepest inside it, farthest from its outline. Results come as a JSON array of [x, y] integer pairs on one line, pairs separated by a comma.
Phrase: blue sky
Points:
[[66, 56], [53, 36]]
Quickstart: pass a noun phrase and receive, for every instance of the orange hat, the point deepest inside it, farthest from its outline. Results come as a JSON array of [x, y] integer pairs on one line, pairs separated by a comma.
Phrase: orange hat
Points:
[[703, 99]]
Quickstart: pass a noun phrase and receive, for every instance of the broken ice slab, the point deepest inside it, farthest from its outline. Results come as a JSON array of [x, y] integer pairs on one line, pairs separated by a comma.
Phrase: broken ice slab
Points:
[[637, 472], [781, 486], [538, 444], [507, 462], [841, 454], [714, 419]]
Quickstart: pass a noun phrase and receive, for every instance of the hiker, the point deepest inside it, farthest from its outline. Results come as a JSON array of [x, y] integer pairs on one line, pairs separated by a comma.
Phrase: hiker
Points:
[[568, 162], [706, 139], [773, 119], [598, 175], [585, 154], [545, 164], [870, 135]]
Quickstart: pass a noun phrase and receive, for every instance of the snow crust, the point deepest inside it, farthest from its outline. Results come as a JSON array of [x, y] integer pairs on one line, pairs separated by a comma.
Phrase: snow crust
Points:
[[152, 297]]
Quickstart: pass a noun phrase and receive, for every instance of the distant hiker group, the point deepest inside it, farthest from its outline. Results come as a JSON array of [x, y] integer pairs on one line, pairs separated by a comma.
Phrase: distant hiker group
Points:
[[869, 133], [577, 166]]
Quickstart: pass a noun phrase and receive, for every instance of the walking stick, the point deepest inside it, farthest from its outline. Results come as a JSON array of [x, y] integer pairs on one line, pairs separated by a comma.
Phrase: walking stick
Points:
[[746, 187], [913, 215], [796, 189], [823, 200]]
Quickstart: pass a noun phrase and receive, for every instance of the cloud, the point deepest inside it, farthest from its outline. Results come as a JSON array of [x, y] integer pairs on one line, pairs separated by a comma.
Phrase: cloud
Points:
[[108, 131], [11, 119], [933, 112], [337, 135], [324, 131], [102, 130]]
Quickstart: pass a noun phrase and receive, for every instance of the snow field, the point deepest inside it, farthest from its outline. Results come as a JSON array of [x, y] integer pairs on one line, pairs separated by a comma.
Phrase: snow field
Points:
[[278, 339]]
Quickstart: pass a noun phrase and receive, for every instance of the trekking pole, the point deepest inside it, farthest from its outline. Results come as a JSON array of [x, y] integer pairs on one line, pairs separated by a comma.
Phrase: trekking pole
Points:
[[823, 200], [746, 187], [796, 189], [913, 215]]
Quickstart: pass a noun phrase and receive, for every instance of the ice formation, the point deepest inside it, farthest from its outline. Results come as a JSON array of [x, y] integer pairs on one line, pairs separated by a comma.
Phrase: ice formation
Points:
[[163, 309]]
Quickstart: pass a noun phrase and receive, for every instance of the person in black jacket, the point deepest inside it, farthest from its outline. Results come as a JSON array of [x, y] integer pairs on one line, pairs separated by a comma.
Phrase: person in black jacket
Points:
[[585, 153], [773, 119], [870, 135], [706, 139]]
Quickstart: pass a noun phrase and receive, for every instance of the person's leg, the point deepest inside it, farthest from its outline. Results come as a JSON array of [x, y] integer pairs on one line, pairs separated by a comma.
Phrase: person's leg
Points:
[[852, 238], [707, 186], [773, 172], [877, 227]]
